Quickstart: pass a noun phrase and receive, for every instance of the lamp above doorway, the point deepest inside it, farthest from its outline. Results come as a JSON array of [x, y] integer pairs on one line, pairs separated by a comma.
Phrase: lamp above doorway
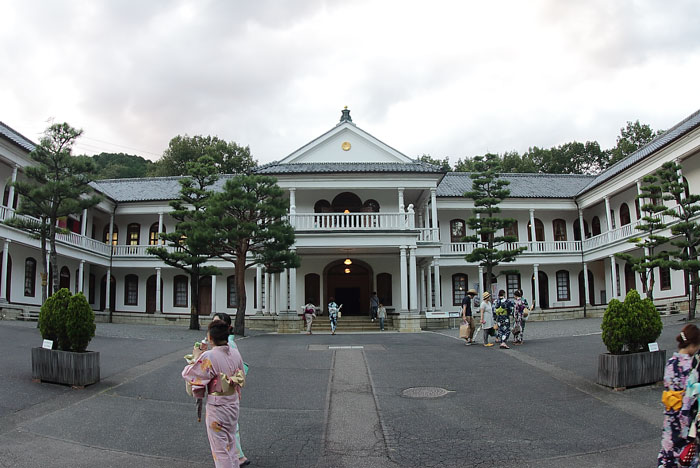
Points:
[[347, 270], [348, 261]]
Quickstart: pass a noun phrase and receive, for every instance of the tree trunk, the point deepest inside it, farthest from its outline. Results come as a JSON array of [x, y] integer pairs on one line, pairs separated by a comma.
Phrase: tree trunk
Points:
[[239, 268], [44, 265], [693, 293], [650, 286], [194, 306], [53, 261]]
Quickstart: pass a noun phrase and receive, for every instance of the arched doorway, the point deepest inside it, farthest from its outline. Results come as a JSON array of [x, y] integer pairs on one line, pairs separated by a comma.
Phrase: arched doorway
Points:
[[630, 278], [350, 285], [582, 286], [346, 201], [543, 300], [112, 293], [151, 294], [204, 307]]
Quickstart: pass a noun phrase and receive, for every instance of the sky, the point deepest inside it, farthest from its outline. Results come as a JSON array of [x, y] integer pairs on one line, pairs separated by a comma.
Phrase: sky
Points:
[[446, 78]]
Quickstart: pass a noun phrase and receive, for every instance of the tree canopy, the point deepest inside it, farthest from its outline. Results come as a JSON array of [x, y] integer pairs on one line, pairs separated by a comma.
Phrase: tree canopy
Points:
[[121, 166], [632, 137], [227, 157]]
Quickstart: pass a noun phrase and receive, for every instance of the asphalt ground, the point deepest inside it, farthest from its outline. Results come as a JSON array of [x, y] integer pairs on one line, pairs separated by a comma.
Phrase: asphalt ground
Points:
[[335, 401]]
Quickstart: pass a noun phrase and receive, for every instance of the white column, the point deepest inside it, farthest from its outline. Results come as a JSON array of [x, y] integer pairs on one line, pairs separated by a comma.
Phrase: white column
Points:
[[426, 221], [438, 287], [108, 288], [81, 275], [11, 197], [481, 282], [292, 200], [160, 228], [413, 287], [429, 286], [266, 309], [401, 202], [581, 226], [258, 289], [293, 290], [47, 286], [680, 178], [607, 213], [433, 206], [83, 222], [404, 280], [159, 306], [3, 277], [421, 291], [213, 294], [273, 294], [533, 231], [536, 273], [613, 278], [586, 299], [284, 293]]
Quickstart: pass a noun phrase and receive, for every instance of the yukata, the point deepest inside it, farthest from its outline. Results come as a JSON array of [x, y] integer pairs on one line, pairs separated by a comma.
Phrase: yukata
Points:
[[333, 315], [239, 449], [502, 310], [222, 407], [676, 422], [519, 306]]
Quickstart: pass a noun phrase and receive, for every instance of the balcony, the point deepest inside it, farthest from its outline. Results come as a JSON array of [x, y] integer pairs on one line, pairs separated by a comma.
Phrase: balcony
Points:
[[542, 247], [362, 222]]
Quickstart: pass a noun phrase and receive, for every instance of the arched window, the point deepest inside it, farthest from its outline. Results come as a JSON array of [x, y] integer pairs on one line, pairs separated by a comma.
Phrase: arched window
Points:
[[384, 288], [133, 234], [153, 235], [231, 296], [180, 291], [77, 280], [131, 290], [459, 288], [115, 234], [346, 201], [322, 206], [559, 226], [457, 231], [664, 278], [6, 197], [624, 214], [577, 230], [637, 209], [64, 278], [686, 187], [512, 231], [595, 226], [312, 288], [512, 283], [370, 206], [630, 278], [91, 289], [29, 277], [563, 290], [539, 231]]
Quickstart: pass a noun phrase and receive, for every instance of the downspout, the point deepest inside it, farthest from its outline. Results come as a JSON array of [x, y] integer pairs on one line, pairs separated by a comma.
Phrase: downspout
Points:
[[108, 300], [582, 230]]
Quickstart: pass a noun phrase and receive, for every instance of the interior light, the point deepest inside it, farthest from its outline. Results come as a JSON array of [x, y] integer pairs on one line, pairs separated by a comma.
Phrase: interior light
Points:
[[348, 261], [347, 270]]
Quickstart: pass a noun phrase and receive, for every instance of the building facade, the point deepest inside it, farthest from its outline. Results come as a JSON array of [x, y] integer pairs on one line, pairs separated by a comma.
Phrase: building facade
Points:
[[367, 218]]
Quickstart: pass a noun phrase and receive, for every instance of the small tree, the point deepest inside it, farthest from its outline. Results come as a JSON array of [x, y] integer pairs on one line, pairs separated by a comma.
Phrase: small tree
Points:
[[248, 216], [67, 320], [488, 190], [58, 185], [685, 257], [652, 223], [190, 245], [630, 325]]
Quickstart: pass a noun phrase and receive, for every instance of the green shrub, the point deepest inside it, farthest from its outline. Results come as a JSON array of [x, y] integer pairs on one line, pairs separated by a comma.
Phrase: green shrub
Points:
[[630, 325], [67, 320]]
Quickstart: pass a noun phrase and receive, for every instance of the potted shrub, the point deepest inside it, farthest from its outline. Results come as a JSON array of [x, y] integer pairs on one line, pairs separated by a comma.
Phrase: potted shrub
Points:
[[628, 327], [70, 323]]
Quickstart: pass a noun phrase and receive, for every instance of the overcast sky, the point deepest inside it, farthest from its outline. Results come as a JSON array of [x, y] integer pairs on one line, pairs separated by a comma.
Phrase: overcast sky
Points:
[[447, 78]]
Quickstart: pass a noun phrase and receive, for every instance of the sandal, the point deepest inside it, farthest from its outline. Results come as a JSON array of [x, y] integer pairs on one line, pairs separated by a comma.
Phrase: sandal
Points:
[[504, 346]]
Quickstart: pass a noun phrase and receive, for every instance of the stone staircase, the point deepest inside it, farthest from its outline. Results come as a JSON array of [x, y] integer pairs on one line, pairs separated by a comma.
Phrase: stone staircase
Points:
[[350, 324]]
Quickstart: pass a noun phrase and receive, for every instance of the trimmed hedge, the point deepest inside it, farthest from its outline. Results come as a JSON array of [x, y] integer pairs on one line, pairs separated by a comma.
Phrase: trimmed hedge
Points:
[[629, 326], [67, 320]]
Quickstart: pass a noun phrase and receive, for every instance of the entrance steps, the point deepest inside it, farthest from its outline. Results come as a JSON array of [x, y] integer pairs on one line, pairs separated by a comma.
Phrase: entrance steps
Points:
[[350, 324]]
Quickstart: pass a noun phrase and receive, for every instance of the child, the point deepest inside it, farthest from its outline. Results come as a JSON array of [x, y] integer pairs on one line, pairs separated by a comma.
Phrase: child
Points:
[[381, 313]]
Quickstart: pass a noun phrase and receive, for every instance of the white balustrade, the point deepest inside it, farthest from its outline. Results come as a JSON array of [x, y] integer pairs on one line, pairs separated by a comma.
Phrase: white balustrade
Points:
[[349, 221]]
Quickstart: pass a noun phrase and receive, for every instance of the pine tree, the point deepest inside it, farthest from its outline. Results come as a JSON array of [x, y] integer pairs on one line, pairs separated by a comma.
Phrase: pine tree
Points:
[[488, 190], [687, 228], [190, 245], [652, 223]]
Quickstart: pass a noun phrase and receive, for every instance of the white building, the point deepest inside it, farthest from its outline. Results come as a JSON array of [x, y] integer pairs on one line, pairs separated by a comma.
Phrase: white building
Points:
[[367, 218]]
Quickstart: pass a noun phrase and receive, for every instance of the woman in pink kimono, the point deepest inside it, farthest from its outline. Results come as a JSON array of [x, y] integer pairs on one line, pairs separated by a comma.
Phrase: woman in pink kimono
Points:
[[218, 372]]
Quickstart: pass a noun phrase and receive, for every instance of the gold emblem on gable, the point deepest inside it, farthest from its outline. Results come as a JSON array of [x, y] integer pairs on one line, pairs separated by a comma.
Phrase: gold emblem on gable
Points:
[[346, 146]]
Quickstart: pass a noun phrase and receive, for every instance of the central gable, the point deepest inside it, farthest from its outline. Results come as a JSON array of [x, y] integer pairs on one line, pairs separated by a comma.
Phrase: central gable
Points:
[[346, 144]]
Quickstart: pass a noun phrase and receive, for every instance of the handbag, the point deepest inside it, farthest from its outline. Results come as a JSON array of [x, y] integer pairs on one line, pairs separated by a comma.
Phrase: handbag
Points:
[[464, 330], [516, 329], [687, 455]]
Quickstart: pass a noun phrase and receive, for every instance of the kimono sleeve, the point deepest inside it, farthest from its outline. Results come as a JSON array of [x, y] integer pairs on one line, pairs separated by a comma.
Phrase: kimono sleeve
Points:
[[199, 375]]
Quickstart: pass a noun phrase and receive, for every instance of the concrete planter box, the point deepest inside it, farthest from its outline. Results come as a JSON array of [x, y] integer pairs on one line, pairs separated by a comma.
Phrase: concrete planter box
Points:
[[65, 367], [631, 370]]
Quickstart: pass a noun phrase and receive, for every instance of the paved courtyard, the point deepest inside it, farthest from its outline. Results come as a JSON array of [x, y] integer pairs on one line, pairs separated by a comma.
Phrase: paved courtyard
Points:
[[337, 401]]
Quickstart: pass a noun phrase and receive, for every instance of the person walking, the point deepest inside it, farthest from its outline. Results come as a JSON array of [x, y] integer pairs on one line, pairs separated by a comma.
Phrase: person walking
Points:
[[333, 311], [487, 322], [503, 309], [309, 315], [467, 315], [381, 313], [373, 306], [521, 311], [678, 403]]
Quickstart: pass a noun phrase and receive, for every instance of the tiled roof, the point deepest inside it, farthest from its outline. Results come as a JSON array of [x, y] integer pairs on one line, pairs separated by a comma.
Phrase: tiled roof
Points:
[[345, 167], [669, 136], [16, 137], [454, 184], [145, 189]]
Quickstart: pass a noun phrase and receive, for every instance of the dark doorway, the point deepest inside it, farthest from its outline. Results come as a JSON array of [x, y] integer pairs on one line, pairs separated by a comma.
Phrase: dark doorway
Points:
[[543, 300], [112, 293], [204, 296], [350, 285], [582, 286], [350, 298], [151, 294]]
